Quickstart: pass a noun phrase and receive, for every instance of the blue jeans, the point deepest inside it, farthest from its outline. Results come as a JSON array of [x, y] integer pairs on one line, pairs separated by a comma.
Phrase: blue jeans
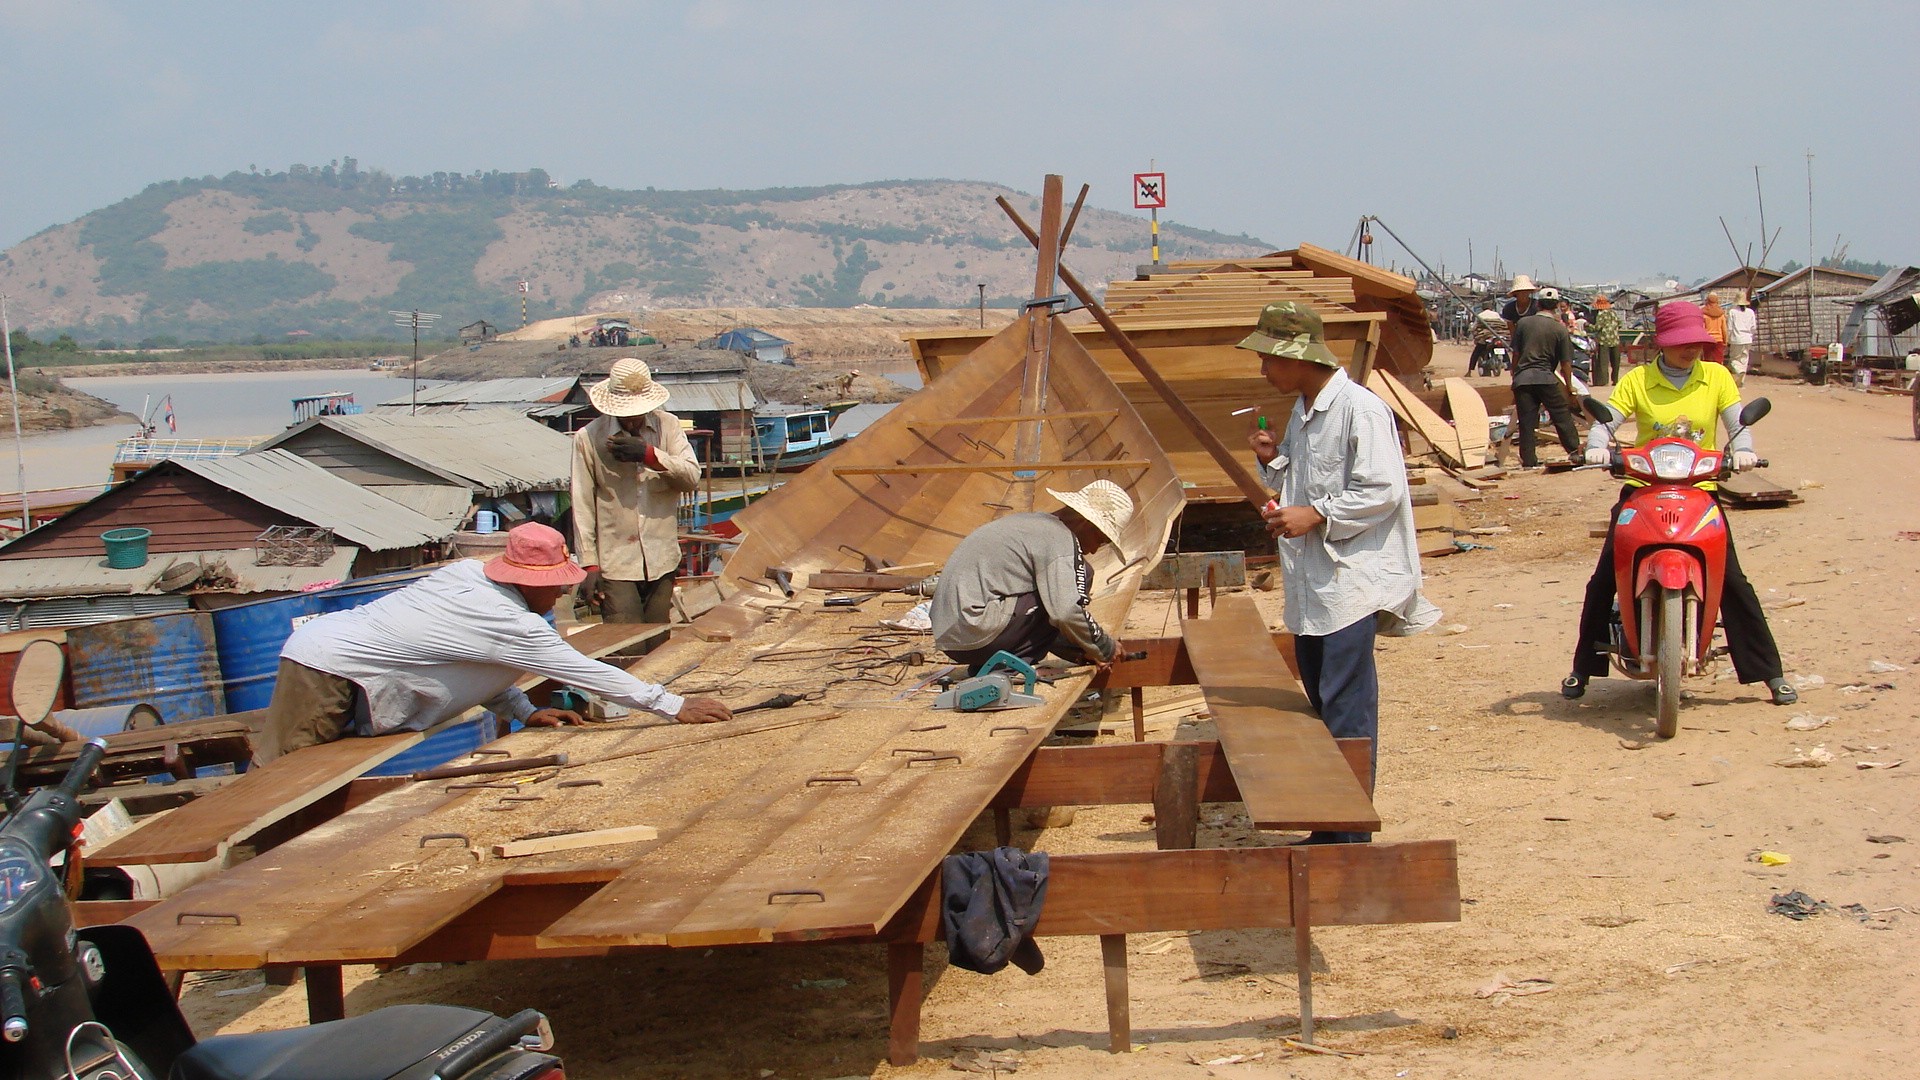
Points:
[[1341, 682]]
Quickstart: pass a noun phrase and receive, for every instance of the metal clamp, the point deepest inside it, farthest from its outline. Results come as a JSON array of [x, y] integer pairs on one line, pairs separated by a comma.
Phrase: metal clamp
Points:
[[796, 896], [462, 837], [521, 798], [898, 750], [818, 781], [927, 727], [1015, 728], [483, 752], [185, 915], [933, 759]]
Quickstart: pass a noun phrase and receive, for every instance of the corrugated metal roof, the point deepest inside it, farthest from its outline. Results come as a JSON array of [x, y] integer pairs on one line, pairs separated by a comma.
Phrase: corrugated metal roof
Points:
[[493, 451], [79, 576], [486, 392], [292, 485], [442, 503], [708, 395]]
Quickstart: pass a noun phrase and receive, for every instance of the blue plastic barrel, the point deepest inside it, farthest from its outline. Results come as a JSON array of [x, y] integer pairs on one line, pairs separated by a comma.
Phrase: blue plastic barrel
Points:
[[167, 661], [252, 635]]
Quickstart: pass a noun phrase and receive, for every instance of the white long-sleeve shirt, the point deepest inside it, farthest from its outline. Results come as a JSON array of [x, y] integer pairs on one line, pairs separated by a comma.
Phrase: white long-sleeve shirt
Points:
[[452, 640], [1342, 458]]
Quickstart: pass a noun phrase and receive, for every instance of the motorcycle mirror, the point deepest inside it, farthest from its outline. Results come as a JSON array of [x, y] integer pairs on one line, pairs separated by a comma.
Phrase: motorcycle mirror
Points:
[[1755, 411], [1599, 411], [36, 681]]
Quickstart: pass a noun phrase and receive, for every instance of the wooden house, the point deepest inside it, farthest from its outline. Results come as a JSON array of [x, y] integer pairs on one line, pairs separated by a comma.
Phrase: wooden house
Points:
[[1804, 310]]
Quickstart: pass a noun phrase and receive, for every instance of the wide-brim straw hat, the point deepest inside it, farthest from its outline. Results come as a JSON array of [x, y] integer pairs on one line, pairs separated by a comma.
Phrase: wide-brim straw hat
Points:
[[1602, 302], [1521, 283], [1680, 323], [630, 390], [536, 555], [1103, 503]]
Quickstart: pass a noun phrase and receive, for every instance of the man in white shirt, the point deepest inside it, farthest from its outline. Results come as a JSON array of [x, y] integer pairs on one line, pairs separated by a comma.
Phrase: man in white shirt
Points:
[[1741, 322], [1349, 562], [457, 638]]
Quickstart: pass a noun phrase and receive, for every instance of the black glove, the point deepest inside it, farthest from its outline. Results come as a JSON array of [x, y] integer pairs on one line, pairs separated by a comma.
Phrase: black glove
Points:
[[625, 447]]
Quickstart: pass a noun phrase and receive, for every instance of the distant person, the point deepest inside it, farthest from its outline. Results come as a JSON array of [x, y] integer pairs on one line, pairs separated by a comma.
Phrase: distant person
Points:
[[1742, 321], [629, 468], [1605, 331], [1542, 374], [457, 638], [1716, 320], [1519, 301], [1021, 584]]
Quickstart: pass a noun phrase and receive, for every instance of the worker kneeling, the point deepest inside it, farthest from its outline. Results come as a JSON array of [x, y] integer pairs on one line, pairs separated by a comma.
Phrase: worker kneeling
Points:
[[456, 638], [1021, 584]]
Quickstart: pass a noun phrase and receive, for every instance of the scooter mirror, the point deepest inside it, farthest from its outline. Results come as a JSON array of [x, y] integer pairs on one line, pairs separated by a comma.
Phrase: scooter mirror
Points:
[[1756, 409], [1597, 410], [36, 680]]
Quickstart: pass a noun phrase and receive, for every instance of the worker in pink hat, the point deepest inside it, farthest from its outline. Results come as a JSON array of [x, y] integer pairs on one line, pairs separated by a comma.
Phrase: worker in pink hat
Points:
[[457, 638], [1675, 392]]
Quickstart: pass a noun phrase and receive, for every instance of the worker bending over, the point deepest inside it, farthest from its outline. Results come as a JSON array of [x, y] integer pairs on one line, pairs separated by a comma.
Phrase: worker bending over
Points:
[[1021, 584], [456, 638]]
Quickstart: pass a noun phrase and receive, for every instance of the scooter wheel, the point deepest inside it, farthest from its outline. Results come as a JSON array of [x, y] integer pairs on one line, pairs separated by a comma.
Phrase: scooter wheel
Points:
[[1668, 650]]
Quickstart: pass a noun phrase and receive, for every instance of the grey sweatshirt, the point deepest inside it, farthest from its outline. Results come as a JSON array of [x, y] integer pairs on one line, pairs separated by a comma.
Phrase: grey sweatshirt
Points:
[[1024, 553]]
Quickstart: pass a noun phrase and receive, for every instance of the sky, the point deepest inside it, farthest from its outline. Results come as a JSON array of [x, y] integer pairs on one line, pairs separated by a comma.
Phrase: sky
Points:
[[1586, 143]]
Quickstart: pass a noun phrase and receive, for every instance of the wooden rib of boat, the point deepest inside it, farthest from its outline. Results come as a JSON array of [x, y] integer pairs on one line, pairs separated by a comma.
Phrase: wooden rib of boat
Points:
[[819, 821]]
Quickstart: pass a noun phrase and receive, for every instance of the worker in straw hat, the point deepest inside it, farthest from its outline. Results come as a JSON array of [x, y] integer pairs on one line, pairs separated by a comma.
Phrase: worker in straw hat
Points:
[[457, 638], [629, 467], [1519, 300], [1349, 563], [1021, 584]]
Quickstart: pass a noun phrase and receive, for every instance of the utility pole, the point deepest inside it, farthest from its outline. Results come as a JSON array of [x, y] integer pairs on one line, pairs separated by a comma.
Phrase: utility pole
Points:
[[1811, 274], [13, 395], [415, 319]]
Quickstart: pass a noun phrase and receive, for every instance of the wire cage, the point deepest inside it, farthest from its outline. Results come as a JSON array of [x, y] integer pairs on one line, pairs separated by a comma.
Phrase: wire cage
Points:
[[293, 545]]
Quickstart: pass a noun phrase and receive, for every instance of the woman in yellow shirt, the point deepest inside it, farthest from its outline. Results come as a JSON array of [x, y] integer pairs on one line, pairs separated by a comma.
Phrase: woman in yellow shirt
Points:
[[1675, 392]]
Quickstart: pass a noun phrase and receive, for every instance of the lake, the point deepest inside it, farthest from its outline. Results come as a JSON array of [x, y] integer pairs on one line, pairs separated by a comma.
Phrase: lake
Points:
[[207, 406]]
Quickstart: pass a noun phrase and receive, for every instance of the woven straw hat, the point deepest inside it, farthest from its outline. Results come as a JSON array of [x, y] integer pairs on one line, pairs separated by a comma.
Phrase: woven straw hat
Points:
[[1102, 503], [628, 391], [536, 555], [1521, 283]]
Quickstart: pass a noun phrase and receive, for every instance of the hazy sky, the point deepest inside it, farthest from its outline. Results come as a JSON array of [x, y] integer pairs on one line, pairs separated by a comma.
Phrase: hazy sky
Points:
[[1603, 140]]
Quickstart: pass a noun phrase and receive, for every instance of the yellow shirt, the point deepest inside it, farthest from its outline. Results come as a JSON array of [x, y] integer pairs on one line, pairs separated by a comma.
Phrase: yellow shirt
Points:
[[1656, 406]]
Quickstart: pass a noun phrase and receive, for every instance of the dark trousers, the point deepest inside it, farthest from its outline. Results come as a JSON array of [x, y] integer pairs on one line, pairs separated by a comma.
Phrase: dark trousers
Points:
[[1338, 674], [1527, 400], [1749, 640], [1606, 364], [638, 602], [1030, 635]]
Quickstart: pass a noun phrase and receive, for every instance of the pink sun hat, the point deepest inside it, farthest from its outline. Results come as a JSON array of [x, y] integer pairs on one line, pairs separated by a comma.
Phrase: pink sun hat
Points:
[[536, 555], [1680, 323]]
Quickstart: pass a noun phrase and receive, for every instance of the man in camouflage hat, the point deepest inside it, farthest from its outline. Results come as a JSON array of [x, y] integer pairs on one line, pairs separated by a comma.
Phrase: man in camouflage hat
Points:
[[1349, 563]]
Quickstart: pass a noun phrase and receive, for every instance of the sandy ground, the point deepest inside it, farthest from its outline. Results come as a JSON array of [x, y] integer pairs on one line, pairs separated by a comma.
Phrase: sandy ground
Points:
[[1618, 867]]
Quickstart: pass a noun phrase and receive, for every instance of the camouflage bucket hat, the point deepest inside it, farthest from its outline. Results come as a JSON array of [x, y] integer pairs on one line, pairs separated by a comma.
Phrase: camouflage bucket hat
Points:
[[1291, 329]]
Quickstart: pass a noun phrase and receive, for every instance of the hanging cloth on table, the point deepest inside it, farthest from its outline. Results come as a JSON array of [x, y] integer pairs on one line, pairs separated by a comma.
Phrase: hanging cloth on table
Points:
[[989, 904]]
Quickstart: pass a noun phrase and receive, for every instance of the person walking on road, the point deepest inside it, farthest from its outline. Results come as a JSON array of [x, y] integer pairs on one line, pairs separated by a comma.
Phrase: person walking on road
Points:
[[629, 468], [1605, 328], [1542, 374], [1742, 321], [1343, 521]]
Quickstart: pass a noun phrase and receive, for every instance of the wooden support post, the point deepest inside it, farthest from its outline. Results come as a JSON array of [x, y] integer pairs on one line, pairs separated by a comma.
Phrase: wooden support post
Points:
[[1113, 961], [280, 974], [1303, 941], [1002, 826], [1176, 798], [326, 994], [906, 986], [1139, 698], [1193, 603]]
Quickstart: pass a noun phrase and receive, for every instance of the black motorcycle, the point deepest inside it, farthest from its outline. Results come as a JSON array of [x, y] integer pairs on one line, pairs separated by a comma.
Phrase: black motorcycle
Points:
[[92, 1005]]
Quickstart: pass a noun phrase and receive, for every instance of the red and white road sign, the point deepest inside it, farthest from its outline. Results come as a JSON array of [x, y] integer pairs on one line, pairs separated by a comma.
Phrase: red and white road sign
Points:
[[1149, 191]]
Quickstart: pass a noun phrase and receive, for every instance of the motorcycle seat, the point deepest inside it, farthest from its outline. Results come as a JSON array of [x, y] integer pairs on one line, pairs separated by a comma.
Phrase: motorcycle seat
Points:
[[378, 1046]]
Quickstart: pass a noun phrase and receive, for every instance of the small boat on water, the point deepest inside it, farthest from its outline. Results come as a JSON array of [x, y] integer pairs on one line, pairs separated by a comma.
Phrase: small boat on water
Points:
[[331, 403]]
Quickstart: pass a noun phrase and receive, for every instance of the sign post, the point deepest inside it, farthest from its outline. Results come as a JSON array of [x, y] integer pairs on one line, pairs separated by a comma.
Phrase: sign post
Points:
[[523, 305], [1150, 193]]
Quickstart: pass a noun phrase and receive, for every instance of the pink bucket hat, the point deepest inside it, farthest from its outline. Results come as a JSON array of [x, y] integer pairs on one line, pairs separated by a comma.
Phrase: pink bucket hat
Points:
[[1680, 323], [536, 555]]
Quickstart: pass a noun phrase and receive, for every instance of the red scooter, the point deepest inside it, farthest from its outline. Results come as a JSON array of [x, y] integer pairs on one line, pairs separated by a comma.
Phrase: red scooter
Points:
[[1670, 557]]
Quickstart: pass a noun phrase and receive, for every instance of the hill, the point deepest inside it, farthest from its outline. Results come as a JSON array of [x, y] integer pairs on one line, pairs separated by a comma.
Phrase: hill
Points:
[[331, 250]]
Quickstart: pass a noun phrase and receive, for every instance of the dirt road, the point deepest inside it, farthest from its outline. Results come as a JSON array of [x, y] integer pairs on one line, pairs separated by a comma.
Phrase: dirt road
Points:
[[1619, 868]]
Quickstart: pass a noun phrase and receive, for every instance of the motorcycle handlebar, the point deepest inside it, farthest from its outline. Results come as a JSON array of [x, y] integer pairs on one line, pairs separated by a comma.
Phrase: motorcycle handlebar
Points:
[[13, 1006], [83, 766]]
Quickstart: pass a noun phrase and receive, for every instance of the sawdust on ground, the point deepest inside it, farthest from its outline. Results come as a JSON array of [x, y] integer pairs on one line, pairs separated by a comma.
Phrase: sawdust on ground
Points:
[[1619, 868]]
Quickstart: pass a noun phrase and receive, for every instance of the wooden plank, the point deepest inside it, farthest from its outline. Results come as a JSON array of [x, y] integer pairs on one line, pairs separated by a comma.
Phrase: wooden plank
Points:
[[1127, 773], [1014, 418], [1470, 425], [619, 834], [1166, 663], [204, 828], [1415, 414], [989, 466], [1290, 773], [1755, 487]]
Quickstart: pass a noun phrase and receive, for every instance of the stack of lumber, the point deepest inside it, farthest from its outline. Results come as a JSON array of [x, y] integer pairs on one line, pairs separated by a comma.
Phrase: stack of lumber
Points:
[[1748, 490]]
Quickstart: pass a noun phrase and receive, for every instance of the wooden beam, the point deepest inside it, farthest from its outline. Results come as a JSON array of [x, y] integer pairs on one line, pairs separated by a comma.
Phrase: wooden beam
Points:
[[1014, 418], [991, 466], [541, 845], [1167, 663], [1119, 774], [1290, 773]]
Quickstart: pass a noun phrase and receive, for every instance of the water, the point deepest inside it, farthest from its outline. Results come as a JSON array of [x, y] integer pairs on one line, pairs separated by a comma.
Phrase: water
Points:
[[208, 406]]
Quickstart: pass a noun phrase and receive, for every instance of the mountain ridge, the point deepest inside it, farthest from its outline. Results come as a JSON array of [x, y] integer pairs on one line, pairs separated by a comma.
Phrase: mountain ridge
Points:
[[331, 250]]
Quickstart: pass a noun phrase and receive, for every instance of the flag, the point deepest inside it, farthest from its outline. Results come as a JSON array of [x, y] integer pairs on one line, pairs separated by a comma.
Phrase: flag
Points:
[[172, 424]]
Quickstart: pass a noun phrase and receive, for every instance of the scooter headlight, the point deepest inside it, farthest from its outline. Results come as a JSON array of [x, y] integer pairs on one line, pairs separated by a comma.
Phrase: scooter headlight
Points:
[[1708, 465], [1672, 462]]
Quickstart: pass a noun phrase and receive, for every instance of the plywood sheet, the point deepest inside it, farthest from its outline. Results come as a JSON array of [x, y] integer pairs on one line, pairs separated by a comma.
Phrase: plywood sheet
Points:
[[1470, 425]]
